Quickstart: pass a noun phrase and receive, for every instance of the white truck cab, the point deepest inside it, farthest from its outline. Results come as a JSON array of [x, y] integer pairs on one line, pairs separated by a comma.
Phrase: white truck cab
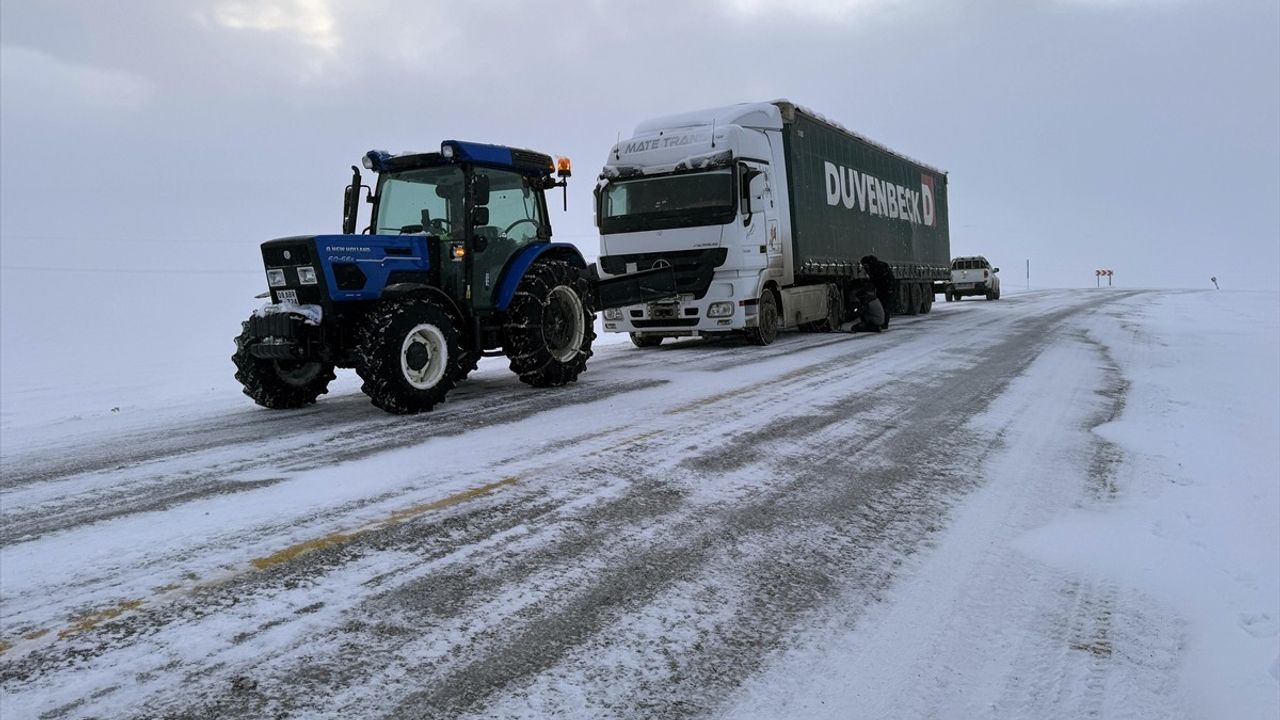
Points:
[[973, 276], [705, 194]]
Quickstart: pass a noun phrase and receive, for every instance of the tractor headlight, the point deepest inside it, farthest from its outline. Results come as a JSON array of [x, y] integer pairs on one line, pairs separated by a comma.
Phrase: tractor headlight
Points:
[[275, 278], [613, 314], [719, 309], [307, 275]]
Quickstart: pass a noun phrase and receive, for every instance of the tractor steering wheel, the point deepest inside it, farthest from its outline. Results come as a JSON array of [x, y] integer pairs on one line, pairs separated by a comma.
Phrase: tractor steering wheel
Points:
[[441, 226], [521, 220]]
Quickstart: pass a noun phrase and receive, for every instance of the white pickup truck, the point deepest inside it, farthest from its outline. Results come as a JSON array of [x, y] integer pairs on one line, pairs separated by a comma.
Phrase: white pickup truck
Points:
[[973, 276]]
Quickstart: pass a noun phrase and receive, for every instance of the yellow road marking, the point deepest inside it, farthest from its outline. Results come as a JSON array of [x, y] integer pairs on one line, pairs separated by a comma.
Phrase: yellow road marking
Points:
[[92, 620], [88, 621], [341, 538]]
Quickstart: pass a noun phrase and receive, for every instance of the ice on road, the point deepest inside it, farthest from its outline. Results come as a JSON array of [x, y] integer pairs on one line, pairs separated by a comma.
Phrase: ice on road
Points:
[[1062, 504]]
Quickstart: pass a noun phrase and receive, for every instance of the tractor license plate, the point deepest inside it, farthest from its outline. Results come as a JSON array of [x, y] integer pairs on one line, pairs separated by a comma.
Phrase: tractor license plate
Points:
[[663, 312], [287, 296]]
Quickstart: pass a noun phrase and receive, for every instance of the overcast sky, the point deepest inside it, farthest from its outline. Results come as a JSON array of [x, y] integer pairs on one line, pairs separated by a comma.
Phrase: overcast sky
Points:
[[1139, 135]]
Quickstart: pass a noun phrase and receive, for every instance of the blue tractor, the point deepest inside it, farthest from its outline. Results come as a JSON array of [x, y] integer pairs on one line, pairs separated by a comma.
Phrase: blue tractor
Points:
[[457, 263]]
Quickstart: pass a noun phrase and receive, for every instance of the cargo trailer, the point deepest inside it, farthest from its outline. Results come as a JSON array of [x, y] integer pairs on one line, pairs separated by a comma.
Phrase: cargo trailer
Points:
[[763, 211]]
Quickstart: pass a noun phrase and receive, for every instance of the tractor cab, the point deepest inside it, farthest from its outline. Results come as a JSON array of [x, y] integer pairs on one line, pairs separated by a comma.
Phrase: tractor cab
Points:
[[478, 205]]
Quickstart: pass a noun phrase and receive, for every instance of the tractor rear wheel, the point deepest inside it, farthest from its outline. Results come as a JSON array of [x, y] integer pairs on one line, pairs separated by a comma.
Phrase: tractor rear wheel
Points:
[[409, 355], [279, 384], [550, 324]]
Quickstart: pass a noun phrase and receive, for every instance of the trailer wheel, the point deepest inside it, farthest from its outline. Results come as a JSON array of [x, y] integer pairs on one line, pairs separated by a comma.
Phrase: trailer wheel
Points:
[[910, 302], [646, 341], [926, 302], [279, 384], [409, 355], [550, 324], [766, 329]]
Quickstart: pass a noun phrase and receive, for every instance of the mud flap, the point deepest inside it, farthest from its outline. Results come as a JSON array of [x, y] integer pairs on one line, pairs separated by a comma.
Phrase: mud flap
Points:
[[633, 288]]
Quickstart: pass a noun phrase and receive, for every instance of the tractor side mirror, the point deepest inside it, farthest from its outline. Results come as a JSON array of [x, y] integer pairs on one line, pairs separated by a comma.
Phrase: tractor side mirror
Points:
[[480, 191], [480, 216], [350, 203]]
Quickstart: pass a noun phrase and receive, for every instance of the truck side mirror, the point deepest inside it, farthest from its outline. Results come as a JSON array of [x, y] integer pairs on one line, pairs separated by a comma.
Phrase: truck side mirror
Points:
[[480, 191], [747, 176], [995, 270], [480, 216]]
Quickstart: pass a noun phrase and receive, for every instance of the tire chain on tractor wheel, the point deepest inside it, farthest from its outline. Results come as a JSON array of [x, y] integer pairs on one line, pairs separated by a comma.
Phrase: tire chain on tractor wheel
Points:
[[378, 362], [263, 381], [526, 349]]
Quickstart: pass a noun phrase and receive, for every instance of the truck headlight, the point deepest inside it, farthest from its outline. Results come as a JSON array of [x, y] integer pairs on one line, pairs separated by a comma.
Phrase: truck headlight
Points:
[[275, 278], [613, 314], [307, 276], [719, 309]]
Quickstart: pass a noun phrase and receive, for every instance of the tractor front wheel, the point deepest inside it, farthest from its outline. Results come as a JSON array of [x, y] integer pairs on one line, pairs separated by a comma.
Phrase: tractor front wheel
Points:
[[550, 324], [279, 384], [409, 356]]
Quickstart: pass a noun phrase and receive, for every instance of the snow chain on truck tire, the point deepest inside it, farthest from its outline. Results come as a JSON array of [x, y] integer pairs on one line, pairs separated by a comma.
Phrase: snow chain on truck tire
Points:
[[766, 329]]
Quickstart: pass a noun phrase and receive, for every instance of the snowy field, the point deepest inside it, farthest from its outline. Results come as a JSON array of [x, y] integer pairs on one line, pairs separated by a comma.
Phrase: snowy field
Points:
[[1063, 504]]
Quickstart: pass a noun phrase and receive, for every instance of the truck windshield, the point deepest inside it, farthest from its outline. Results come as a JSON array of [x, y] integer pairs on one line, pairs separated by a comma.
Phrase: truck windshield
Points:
[[669, 201], [427, 199]]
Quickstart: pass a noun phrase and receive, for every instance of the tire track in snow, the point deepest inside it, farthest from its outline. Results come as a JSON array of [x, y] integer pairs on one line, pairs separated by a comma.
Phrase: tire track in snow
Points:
[[768, 515]]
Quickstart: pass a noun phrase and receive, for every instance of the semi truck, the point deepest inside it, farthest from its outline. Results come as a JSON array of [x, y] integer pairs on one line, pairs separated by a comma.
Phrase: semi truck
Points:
[[763, 212], [455, 264]]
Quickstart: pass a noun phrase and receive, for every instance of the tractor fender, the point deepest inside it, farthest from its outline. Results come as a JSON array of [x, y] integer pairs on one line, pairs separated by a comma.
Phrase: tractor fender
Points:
[[421, 290], [519, 263]]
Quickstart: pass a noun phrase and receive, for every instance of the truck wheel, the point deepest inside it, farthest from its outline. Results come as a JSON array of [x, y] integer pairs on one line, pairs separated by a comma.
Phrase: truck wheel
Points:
[[766, 330], [279, 384], [550, 324], [409, 355], [910, 302], [991, 295], [646, 341], [948, 296], [926, 302], [835, 312]]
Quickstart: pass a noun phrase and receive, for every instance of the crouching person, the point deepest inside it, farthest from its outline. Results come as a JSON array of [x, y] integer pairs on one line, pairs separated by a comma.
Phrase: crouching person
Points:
[[868, 316]]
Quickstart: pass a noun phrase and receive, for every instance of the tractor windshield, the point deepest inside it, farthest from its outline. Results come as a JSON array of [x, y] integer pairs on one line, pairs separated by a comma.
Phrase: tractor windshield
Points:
[[668, 201], [425, 199]]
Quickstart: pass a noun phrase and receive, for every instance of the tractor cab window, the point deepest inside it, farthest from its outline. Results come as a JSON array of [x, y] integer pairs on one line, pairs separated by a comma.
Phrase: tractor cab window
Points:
[[515, 212], [424, 200]]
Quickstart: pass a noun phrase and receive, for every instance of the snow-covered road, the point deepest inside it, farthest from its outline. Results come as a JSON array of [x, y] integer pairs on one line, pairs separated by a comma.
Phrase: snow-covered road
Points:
[[832, 526]]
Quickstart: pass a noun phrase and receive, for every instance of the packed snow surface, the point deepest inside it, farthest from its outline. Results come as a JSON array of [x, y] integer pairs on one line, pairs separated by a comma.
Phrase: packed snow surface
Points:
[[1061, 504]]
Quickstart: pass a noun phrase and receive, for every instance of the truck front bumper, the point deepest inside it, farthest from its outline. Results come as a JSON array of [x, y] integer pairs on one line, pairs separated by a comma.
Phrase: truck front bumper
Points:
[[684, 317]]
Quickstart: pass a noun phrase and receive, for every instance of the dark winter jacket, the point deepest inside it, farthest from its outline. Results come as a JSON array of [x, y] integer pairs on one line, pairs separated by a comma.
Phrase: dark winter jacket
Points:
[[881, 277]]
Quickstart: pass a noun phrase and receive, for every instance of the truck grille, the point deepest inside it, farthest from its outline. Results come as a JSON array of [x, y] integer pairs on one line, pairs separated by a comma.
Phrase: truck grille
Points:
[[692, 268]]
